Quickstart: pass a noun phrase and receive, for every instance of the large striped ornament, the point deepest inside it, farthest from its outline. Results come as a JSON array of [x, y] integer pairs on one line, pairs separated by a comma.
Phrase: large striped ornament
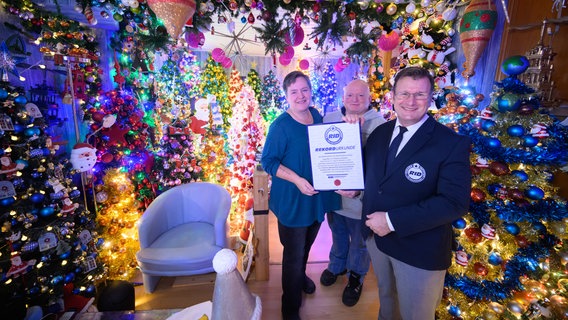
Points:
[[174, 14], [476, 28]]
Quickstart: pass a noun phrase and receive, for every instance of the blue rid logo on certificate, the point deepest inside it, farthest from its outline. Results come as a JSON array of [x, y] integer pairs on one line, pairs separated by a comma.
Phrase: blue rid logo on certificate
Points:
[[336, 156]]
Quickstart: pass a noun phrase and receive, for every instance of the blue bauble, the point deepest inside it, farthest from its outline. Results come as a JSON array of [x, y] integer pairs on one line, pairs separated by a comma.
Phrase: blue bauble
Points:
[[56, 280], [18, 128], [530, 141], [494, 143], [7, 201], [493, 188], [512, 228], [516, 130], [65, 255], [74, 194], [46, 212], [21, 100], [33, 290], [487, 125], [69, 277], [508, 102], [515, 65], [3, 94], [30, 132], [495, 259], [534, 193], [37, 197], [454, 311], [520, 174], [90, 288], [459, 223]]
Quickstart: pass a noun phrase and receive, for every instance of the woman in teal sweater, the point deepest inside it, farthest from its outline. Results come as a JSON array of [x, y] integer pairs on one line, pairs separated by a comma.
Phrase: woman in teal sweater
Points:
[[300, 209]]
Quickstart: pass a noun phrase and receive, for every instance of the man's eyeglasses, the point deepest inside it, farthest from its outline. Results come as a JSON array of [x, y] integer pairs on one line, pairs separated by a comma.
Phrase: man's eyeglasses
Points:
[[421, 96]]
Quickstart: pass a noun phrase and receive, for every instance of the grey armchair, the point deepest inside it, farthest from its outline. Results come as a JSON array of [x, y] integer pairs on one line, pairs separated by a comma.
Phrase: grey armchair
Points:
[[181, 231]]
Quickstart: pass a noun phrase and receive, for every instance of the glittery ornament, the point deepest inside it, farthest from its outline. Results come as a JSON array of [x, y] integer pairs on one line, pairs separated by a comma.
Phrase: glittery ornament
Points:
[[476, 28], [174, 13]]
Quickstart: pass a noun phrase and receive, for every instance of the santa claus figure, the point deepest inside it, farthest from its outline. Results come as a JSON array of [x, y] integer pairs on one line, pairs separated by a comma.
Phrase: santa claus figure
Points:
[[68, 206], [83, 157], [8, 167], [19, 267]]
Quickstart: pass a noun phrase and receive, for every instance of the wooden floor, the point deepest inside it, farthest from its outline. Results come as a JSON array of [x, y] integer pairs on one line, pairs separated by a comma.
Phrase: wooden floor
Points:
[[325, 303]]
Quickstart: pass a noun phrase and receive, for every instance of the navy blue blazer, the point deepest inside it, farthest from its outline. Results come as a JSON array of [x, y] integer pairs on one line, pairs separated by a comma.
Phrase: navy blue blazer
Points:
[[427, 187]]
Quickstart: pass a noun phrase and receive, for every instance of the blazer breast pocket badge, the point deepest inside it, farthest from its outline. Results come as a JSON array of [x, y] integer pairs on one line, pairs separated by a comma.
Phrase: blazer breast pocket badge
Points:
[[415, 173]]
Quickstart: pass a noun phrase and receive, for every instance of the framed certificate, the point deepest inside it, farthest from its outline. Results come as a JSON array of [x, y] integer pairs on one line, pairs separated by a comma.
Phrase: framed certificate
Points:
[[336, 156]]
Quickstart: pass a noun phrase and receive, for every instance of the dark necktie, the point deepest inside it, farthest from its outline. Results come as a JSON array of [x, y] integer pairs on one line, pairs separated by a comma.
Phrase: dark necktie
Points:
[[394, 146]]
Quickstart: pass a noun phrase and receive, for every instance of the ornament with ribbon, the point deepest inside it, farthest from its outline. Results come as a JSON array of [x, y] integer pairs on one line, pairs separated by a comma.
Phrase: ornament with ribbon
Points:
[[476, 27], [387, 43]]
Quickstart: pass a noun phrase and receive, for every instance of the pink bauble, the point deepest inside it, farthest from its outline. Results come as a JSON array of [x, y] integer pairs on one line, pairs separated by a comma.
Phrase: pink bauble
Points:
[[389, 41], [338, 67], [298, 37], [195, 40], [284, 60], [227, 63], [304, 64], [218, 54], [288, 53]]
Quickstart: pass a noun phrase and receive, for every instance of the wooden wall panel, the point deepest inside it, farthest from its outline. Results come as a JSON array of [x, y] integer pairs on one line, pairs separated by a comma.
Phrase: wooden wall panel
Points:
[[518, 42]]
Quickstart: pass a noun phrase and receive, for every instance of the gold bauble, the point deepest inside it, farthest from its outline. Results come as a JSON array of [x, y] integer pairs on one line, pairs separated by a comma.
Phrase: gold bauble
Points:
[[391, 9]]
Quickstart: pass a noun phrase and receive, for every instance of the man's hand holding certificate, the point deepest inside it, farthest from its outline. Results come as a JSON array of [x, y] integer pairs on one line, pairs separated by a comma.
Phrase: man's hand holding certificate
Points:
[[336, 156]]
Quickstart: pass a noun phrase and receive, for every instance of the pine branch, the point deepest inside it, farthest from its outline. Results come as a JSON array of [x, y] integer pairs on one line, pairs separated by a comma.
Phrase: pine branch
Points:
[[271, 35], [331, 30]]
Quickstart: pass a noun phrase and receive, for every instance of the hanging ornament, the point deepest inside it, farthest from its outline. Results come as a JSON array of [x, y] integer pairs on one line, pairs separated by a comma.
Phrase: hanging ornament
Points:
[[476, 28], [83, 157], [250, 18], [88, 12], [174, 13], [410, 7], [391, 9]]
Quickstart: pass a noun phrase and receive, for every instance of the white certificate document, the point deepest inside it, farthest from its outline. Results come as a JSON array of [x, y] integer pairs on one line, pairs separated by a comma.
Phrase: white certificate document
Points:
[[336, 156]]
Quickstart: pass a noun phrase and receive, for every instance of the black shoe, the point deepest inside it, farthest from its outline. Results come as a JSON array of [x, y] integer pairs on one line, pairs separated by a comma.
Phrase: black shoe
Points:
[[309, 285], [291, 317], [328, 278], [352, 291]]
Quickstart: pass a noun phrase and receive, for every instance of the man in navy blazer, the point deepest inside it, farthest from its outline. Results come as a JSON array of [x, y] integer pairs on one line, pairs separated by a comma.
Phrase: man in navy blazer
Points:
[[409, 205]]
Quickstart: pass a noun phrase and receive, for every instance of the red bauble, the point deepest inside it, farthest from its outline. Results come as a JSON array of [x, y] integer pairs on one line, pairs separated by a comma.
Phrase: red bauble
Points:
[[499, 168], [480, 269], [516, 194], [475, 170], [107, 157], [473, 234], [522, 241], [477, 195], [98, 116]]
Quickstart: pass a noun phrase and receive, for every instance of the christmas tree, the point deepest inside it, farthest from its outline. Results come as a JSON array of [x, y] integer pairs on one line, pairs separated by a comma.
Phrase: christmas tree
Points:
[[176, 156], [117, 224], [235, 85], [271, 101], [253, 80], [245, 138], [49, 245], [511, 255], [214, 82], [325, 89]]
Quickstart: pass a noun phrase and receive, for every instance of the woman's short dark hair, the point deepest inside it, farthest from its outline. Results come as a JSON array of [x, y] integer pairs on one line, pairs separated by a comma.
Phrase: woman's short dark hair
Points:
[[292, 77], [414, 73]]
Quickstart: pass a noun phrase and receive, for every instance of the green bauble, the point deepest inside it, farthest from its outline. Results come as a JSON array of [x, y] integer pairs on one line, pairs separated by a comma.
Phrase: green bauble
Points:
[[515, 65], [508, 102]]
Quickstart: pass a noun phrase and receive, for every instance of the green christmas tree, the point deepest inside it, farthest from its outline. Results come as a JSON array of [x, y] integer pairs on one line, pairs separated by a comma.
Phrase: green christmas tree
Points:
[[325, 89], [253, 80], [49, 247], [272, 99], [511, 258], [214, 81]]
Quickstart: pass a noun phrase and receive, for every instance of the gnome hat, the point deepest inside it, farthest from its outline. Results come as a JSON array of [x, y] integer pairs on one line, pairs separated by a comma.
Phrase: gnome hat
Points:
[[231, 297]]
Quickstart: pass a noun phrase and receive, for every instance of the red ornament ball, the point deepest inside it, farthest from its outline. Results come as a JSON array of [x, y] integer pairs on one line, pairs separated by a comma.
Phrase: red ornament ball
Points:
[[521, 241], [474, 234], [499, 168], [480, 269], [477, 195]]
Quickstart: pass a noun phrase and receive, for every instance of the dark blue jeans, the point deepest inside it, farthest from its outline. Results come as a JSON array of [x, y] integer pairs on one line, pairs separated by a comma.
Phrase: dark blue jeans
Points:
[[297, 242]]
